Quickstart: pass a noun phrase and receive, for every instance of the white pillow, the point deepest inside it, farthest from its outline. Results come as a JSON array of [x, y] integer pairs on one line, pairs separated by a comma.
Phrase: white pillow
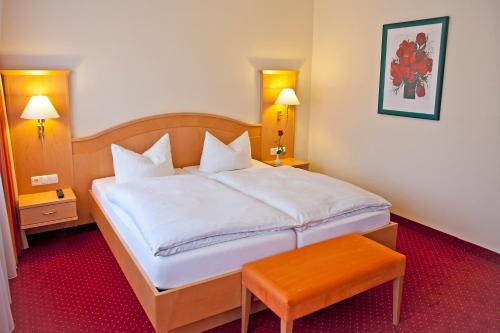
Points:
[[155, 162], [217, 156]]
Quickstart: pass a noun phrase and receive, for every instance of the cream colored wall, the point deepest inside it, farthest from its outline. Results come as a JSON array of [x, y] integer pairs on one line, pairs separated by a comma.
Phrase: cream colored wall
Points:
[[445, 174], [136, 58], [1, 14]]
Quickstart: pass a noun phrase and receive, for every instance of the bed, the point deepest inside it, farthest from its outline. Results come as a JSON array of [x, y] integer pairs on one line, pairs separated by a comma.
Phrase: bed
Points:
[[167, 272], [203, 291]]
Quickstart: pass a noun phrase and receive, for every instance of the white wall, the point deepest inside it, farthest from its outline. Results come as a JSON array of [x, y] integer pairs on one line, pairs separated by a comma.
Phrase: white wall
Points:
[[136, 58], [445, 174]]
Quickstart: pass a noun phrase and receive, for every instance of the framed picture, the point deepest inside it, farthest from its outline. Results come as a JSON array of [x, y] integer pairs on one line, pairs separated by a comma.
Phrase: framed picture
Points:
[[412, 66]]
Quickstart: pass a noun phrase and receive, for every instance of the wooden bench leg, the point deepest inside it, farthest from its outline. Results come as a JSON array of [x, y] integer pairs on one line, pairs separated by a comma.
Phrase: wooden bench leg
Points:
[[397, 292], [246, 305], [286, 326]]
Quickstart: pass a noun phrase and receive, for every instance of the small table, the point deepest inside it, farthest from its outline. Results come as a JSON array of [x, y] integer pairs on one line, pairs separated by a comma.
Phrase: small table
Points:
[[290, 162], [296, 283], [45, 208]]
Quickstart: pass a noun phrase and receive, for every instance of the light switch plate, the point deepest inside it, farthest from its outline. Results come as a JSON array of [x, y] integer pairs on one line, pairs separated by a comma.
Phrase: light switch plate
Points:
[[45, 179]]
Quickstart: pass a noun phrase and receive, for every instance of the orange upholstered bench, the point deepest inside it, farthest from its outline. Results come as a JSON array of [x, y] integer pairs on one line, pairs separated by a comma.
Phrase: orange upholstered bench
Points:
[[296, 283]]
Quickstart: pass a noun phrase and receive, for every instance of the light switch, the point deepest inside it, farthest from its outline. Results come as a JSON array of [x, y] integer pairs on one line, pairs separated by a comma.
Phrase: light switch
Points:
[[52, 179]]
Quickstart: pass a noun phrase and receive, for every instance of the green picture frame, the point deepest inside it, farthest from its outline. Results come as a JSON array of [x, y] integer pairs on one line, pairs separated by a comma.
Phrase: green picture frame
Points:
[[412, 68]]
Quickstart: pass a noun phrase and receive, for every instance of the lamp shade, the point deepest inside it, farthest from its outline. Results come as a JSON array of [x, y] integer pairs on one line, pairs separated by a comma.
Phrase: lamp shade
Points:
[[39, 107], [287, 97]]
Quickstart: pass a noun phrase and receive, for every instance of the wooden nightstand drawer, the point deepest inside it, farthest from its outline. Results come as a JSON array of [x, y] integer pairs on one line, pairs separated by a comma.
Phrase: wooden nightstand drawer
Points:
[[46, 213], [45, 208]]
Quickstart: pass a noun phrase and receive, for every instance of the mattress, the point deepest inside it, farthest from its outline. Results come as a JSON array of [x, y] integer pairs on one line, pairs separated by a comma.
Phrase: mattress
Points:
[[190, 266], [341, 226]]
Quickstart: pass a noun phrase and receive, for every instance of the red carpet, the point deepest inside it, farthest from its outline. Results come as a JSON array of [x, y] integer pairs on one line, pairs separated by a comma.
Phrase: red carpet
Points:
[[69, 282]]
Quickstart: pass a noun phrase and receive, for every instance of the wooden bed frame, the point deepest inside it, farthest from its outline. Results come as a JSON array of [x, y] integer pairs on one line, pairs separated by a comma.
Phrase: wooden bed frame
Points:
[[196, 306]]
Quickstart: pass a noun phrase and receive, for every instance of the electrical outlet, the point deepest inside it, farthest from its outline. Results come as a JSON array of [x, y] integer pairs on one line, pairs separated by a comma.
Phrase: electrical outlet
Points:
[[36, 180], [273, 151], [44, 179]]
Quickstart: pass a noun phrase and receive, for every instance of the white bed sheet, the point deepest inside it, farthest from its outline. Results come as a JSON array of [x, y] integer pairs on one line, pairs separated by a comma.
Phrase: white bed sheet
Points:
[[179, 269], [342, 226]]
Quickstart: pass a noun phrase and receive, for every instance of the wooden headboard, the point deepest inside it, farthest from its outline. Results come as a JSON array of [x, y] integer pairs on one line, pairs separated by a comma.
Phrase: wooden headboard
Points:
[[92, 155]]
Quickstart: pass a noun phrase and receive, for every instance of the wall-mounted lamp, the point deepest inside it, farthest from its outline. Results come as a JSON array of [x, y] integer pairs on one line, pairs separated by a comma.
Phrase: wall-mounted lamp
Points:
[[40, 108], [286, 97]]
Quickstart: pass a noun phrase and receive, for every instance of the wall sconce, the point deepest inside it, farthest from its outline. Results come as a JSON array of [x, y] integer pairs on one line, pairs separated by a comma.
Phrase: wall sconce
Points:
[[286, 97], [40, 108]]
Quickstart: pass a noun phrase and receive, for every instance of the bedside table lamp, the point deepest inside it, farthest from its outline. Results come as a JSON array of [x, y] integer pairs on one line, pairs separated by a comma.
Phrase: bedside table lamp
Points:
[[286, 97], [40, 108]]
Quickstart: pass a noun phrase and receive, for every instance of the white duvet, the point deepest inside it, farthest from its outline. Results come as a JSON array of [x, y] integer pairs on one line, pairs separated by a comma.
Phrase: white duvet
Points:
[[180, 213], [310, 198]]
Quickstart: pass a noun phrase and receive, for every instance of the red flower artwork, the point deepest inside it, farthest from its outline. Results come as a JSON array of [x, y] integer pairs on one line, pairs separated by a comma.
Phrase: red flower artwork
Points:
[[412, 67]]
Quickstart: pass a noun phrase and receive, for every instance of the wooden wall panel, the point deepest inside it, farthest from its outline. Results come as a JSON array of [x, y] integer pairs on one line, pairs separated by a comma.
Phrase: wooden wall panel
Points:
[[8, 177], [272, 82], [31, 158]]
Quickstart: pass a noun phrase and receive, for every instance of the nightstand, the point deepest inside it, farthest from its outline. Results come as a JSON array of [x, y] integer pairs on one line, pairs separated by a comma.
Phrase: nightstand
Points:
[[45, 208], [290, 162]]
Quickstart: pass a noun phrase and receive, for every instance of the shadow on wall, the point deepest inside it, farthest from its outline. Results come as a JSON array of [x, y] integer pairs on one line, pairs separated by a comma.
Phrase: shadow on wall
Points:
[[45, 61], [268, 63]]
